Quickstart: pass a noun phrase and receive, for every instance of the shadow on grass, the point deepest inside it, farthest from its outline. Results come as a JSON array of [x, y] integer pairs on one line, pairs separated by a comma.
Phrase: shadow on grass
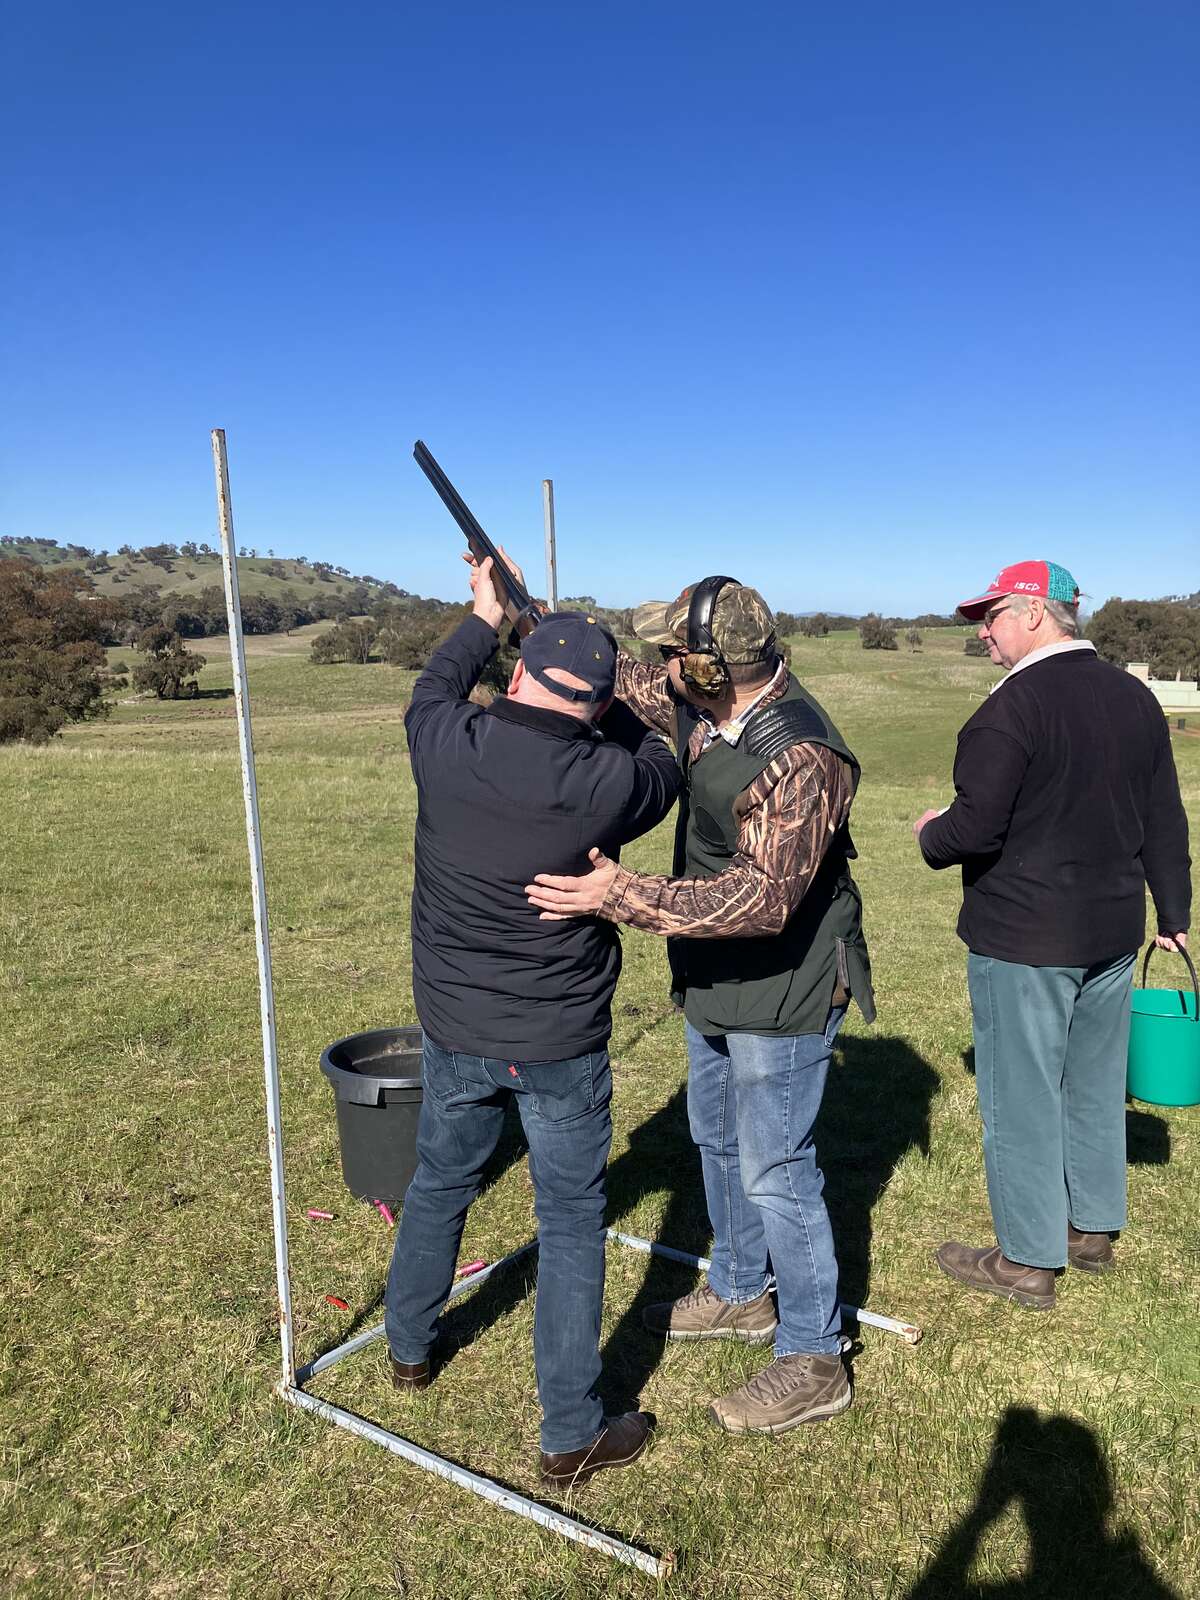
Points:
[[661, 1156], [1147, 1139], [1054, 1469], [463, 1322], [875, 1110]]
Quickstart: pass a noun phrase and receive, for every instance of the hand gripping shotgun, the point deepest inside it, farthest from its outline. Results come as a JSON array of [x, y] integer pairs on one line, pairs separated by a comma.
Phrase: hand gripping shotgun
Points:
[[520, 610]]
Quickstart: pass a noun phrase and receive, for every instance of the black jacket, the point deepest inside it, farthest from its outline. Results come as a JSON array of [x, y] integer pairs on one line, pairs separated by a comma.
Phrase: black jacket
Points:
[[1067, 805], [504, 793]]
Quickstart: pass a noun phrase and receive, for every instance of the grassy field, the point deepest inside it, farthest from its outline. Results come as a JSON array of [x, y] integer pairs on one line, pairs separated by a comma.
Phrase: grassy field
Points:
[[1008, 1454]]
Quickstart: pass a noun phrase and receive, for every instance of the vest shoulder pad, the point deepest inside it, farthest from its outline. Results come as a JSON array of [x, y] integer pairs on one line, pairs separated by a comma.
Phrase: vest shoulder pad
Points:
[[772, 731]]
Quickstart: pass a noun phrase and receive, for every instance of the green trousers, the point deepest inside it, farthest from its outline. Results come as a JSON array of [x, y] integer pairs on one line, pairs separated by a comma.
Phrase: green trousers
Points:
[[1050, 1055]]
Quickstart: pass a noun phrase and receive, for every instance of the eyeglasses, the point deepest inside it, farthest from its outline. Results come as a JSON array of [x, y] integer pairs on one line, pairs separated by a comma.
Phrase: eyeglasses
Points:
[[990, 616]]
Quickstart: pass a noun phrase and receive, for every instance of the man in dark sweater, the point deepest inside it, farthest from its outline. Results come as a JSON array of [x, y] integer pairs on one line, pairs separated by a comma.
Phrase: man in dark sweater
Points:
[[511, 1007], [1066, 807]]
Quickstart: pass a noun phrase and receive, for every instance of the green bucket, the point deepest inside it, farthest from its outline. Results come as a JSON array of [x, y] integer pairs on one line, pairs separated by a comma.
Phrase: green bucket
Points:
[[1164, 1042]]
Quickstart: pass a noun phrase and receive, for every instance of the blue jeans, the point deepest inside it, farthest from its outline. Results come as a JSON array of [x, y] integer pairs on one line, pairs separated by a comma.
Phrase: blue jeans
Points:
[[1051, 1048], [564, 1108], [752, 1102]]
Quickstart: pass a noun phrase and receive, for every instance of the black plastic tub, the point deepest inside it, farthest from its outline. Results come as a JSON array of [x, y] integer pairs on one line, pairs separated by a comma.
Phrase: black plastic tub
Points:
[[376, 1079]]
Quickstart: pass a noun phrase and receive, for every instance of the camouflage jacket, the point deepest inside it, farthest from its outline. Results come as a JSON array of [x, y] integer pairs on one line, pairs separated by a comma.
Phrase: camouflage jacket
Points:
[[786, 819]]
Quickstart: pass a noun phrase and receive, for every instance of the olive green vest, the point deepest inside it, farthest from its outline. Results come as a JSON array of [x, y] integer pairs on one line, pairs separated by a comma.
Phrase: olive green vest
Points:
[[781, 984]]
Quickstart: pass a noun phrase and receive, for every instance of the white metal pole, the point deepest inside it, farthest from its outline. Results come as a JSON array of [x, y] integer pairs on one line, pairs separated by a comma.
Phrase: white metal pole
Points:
[[258, 889], [507, 1499], [551, 554], [908, 1331]]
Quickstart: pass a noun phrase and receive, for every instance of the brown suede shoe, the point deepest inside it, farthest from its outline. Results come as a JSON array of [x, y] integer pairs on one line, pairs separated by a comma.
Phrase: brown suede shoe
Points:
[[992, 1271], [1090, 1252], [620, 1441], [791, 1391], [704, 1315], [410, 1374]]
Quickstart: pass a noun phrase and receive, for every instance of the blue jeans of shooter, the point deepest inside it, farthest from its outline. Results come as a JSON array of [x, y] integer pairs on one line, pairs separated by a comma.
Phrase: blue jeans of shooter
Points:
[[565, 1112], [752, 1102], [1051, 1046]]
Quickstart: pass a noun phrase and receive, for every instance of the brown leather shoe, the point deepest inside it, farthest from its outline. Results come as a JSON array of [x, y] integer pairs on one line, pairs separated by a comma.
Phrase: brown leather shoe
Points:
[[620, 1441], [410, 1374], [992, 1271], [1090, 1252]]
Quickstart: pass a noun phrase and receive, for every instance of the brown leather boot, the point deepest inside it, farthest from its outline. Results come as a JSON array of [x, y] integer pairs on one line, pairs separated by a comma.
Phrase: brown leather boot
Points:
[[704, 1315], [620, 1441], [992, 1271], [408, 1375], [791, 1391], [1090, 1252]]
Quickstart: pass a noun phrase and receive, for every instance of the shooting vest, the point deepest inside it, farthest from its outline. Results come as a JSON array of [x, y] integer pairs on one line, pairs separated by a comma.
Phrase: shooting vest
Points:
[[781, 984]]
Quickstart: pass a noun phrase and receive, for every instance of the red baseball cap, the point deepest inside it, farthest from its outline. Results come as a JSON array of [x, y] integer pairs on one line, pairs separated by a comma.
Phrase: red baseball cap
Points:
[[1043, 578]]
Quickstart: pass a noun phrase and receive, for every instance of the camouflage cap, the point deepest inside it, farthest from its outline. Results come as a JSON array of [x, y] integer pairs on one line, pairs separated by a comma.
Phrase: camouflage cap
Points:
[[743, 628]]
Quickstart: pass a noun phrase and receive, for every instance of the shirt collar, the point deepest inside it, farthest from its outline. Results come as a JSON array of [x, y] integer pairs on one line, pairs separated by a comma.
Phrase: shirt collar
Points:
[[556, 723], [1061, 648]]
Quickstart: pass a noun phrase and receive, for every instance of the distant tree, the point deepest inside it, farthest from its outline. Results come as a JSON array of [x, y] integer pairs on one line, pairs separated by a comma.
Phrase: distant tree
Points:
[[815, 626], [261, 614], [1164, 633], [974, 646], [349, 641], [167, 667], [786, 622], [183, 617], [51, 662], [912, 639], [876, 634]]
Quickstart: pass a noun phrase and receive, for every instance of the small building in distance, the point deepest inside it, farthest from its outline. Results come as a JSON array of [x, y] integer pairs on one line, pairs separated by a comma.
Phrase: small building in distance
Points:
[[1173, 694]]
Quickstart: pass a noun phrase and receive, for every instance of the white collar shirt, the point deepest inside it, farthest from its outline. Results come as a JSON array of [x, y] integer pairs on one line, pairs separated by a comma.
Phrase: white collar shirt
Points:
[[1061, 648]]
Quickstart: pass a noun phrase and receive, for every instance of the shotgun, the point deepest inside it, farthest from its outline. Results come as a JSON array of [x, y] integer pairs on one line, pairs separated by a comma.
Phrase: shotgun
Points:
[[519, 608]]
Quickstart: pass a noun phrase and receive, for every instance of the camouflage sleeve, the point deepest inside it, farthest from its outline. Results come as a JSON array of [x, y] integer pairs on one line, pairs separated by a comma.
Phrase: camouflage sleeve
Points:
[[786, 819], [644, 690]]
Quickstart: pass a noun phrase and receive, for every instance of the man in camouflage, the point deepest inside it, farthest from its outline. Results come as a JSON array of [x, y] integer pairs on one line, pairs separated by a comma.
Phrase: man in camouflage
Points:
[[766, 949]]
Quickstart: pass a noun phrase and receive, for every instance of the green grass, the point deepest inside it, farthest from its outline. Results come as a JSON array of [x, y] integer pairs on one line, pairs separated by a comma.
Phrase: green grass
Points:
[[145, 1454]]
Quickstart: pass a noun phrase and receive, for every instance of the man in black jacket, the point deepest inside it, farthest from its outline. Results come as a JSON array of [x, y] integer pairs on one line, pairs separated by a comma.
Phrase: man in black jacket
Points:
[[511, 1006], [1066, 806]]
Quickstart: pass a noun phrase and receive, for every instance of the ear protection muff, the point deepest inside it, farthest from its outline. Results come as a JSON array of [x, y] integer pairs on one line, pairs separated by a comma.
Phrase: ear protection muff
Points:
[[703, 668]]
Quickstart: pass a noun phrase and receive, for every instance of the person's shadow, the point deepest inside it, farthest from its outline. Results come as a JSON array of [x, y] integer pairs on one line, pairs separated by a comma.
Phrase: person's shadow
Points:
[[1055, 1470], [875, 1109], [661, 1156]]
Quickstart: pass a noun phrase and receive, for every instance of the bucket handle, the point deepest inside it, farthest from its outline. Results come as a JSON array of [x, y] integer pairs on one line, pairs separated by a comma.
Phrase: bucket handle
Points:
[[1179, 950]]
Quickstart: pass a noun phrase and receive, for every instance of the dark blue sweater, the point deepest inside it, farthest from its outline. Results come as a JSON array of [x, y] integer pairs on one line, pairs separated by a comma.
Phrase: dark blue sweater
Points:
[[503, 793], [1067, 805]]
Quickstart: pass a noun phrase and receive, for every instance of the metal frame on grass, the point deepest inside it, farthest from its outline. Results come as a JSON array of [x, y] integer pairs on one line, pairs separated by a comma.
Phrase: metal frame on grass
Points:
[[291, 1385]]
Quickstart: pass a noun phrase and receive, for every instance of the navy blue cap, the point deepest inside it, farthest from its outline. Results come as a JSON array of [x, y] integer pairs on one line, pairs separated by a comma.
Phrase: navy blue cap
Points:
[[578, 643]]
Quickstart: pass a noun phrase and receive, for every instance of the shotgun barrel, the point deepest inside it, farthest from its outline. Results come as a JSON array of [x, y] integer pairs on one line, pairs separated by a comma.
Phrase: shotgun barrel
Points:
[[519, 608]]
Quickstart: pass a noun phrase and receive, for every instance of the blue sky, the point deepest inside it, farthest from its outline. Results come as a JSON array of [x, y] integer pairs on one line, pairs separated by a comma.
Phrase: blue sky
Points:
[[855, 302]]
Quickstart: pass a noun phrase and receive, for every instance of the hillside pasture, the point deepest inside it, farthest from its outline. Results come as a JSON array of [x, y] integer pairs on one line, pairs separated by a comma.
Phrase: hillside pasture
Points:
[[145, 1456]]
